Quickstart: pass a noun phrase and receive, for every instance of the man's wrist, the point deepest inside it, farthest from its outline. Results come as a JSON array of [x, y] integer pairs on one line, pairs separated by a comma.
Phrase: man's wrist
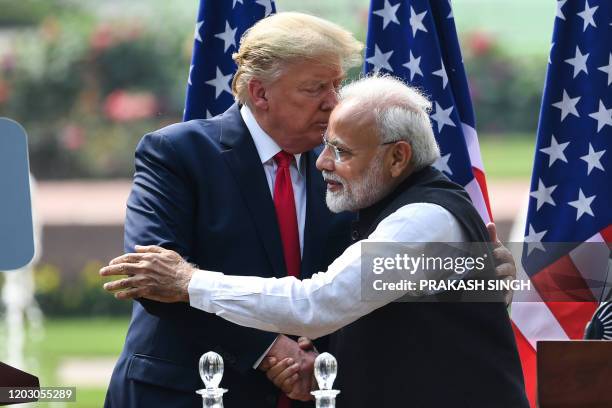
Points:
[[183, 277]]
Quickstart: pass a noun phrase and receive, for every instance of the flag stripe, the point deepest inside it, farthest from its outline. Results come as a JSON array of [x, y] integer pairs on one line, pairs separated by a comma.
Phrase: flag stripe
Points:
[[527, 353], [561, 281], [606, 233], [536, 322], [473, 189], [471, 140], [482, 184], [573, 316]]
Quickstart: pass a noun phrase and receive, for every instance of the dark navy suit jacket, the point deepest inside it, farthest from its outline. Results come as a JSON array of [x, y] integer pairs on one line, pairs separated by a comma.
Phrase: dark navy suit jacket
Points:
[[200, 189]]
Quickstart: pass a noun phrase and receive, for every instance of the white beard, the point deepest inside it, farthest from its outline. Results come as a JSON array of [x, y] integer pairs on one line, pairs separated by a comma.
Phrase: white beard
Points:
[[358, 194]]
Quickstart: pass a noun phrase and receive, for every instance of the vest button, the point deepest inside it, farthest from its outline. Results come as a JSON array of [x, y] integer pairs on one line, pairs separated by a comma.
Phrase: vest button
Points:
[[355, 235]]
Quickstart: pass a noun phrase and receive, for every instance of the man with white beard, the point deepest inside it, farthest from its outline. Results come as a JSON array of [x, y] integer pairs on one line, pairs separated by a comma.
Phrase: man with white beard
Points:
[[378, 156]]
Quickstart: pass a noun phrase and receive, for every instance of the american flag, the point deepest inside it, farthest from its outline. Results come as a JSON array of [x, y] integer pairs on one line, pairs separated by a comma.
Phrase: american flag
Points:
[[219, 26], [416, 40], [571, 194]]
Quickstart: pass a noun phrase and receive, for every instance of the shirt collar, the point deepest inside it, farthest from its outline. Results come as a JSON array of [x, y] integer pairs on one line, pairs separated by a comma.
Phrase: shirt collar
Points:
[[265, 145]]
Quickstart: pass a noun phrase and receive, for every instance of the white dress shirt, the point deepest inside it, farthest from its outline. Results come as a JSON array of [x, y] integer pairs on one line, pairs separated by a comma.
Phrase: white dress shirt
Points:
[[267, 149], [328, 300]]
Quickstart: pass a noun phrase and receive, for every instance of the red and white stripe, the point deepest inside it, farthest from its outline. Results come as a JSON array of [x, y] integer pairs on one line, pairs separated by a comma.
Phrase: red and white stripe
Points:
[[477, 188]]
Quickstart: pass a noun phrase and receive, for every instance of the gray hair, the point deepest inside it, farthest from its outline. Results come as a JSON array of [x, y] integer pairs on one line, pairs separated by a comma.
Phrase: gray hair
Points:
[[401, 112], [283, 38]]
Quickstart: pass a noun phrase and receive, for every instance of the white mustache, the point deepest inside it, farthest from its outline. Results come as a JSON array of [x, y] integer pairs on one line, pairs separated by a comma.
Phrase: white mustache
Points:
[[327, 176]]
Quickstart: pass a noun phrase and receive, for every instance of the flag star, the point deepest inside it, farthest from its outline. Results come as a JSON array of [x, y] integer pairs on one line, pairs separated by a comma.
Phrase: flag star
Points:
[[414, 66], [442, 164], [567, 105], [582, 205], [208, 114], [380, 60], [442, 74], [578, 62], [587, 16], [534, 239], [593, 159], [560, 4], [608, 69], [450, 15], [189, 77], [228, 36], [603, 116], [221, 83], [267, 4], [237, 1], [416, 21], [197, 35], [388, 13], [543, 194], [555, 151], [442, 117]]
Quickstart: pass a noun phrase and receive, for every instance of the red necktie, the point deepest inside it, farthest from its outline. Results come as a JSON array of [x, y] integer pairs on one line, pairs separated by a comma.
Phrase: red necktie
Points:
[[284, 202]]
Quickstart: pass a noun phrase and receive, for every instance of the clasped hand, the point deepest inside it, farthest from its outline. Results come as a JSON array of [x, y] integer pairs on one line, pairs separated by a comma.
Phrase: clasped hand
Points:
[[290, 367]]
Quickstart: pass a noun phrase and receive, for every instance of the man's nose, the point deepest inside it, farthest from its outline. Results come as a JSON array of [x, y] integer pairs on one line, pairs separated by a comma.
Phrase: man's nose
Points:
[[325, 161], [330, 101]]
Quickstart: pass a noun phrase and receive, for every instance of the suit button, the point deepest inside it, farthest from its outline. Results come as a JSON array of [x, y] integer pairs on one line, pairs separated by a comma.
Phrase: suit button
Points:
[[355, 235]]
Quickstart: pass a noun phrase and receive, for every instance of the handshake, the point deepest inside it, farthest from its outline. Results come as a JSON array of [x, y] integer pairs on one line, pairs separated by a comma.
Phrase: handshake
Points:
[[289, 365]]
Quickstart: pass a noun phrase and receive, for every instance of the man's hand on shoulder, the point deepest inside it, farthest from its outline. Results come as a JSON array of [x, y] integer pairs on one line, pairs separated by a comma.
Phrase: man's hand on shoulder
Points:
[[505, 267], [289, 365], [153, 272]]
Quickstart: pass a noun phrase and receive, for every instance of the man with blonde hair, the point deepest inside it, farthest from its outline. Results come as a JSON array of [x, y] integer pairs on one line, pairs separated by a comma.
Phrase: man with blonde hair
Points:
[[378, 156], [237, 192]]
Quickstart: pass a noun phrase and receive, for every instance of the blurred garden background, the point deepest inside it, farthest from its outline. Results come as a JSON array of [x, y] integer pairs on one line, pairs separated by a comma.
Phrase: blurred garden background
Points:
[[87, 79]]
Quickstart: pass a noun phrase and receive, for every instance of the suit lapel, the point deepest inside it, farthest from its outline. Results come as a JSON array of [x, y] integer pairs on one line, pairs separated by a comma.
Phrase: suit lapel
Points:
[[318, 217], [244, 162]]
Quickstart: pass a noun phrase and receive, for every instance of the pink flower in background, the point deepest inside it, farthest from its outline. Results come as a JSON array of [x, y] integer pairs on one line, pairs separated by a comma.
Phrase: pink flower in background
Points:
[[7, 63], [102, 37], [73, 137], [480, 43], [106, 35], [123, 106]]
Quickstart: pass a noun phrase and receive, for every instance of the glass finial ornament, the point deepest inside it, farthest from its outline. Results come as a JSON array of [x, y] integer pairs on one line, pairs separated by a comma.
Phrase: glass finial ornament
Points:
[[325, 371], [211, 372]]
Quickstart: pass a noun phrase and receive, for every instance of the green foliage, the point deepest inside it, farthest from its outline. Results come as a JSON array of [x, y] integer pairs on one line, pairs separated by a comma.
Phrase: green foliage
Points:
[[59, 295], [87, 89], [506, 89], [30, 12]]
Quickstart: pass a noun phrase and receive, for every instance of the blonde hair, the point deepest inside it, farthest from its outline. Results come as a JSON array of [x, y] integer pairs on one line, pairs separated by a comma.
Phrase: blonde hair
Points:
[[401, 112], [282, 38]]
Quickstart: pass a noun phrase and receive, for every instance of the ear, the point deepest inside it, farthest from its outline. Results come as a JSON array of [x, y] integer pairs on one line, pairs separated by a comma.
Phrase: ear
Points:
[[401, 154], [257, 94]]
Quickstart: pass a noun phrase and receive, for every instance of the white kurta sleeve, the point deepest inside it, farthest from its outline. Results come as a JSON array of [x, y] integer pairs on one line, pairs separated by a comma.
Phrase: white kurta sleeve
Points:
[[328, 300]]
